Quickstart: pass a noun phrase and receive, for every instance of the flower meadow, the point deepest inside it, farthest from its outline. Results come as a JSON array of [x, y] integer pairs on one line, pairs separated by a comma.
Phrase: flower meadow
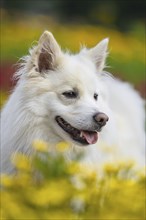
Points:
[[46, 186], [126, 50]]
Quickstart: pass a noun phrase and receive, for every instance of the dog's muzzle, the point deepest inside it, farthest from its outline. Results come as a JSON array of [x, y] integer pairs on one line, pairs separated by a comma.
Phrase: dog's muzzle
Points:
[[82, 136]]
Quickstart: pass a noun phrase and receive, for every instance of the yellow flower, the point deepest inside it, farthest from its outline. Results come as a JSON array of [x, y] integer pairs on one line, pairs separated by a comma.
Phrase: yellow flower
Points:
[[111, 169], [52, 193], [62, 146], [6, 180], [92, 175], [21, 162], [40, 145], [74, 167]]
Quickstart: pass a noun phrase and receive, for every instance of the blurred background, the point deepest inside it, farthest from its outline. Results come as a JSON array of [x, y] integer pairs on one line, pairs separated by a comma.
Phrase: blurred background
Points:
[[74, 23]]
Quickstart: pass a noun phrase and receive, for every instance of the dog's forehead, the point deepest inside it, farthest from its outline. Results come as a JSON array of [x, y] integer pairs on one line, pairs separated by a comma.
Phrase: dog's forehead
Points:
[[81, 70]]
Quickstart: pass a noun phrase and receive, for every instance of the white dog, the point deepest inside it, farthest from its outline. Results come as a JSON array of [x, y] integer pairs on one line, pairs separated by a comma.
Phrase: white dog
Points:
[[65, 97]]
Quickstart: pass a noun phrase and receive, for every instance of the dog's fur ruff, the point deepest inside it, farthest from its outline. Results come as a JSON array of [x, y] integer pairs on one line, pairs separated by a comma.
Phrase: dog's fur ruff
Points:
[[46, 76]]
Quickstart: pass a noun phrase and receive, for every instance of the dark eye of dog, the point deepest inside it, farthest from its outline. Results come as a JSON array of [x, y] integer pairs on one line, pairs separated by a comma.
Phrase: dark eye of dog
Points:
[[95, 96], [70, 94]]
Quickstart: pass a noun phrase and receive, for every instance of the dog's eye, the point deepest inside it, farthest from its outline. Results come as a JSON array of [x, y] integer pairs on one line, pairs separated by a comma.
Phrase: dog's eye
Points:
[[95, 96], [70, 94]]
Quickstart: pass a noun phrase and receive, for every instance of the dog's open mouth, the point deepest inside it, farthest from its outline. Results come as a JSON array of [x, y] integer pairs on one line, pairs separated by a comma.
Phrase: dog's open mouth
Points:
[[84, 137]]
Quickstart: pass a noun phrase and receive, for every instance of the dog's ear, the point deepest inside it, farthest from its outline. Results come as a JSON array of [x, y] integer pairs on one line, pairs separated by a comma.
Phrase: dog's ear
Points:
[[99, 54], [47, 53]]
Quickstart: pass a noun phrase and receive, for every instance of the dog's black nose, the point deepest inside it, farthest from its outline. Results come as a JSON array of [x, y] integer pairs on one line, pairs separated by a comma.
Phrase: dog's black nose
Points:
[[100, 118]]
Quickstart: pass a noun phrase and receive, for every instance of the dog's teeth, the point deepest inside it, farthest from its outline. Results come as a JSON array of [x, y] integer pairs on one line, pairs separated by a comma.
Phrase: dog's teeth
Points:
[[81, 134]]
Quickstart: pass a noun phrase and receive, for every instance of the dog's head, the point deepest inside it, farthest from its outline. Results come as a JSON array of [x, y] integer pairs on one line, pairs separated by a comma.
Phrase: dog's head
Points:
[[67, 90]]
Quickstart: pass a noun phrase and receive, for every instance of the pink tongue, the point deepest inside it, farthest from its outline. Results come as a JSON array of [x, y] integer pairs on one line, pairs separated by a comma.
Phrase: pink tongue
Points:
[[91, 137]]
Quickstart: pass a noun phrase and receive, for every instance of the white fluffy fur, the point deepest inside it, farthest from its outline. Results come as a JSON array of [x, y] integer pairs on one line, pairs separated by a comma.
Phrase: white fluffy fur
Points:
[[30, 111]]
